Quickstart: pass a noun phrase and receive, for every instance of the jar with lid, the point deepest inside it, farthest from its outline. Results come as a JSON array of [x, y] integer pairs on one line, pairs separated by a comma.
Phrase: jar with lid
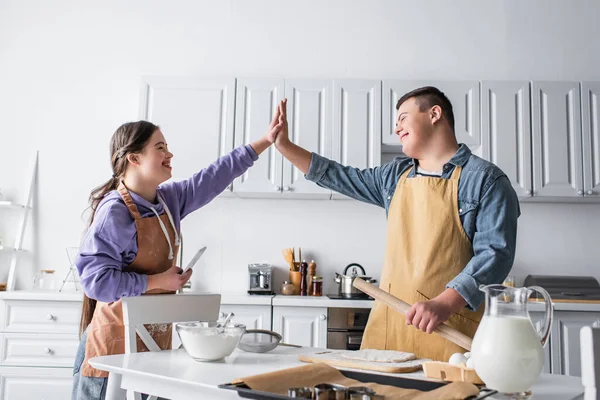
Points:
[[317, 286], [287, 288], [44, 280]]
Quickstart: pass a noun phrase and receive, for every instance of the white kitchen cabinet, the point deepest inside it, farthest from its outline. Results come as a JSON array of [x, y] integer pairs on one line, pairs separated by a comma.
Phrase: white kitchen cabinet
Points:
[[195, 115], [35, 383], [557, 151], [590, 91], [255, 104], [356, 124], [309, 110], [537, 319], [464, 96], [566, 352], [506, 131], [253, 316], [304, 326]]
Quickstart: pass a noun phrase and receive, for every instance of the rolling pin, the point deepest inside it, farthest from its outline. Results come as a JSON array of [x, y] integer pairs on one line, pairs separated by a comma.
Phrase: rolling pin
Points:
[[395, 303]]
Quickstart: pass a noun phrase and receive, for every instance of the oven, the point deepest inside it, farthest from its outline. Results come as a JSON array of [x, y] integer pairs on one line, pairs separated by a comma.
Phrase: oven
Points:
[[345, 327]]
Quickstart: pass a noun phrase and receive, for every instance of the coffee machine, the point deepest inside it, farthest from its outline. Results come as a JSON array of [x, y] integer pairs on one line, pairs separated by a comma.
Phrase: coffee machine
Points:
[[260, 279]]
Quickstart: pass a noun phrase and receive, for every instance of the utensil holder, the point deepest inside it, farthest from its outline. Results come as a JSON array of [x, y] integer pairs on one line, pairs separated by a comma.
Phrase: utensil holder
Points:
[[295, 278]]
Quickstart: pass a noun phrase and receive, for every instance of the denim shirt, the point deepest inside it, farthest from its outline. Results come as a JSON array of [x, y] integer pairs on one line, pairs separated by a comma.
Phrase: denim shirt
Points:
[[487, 205]]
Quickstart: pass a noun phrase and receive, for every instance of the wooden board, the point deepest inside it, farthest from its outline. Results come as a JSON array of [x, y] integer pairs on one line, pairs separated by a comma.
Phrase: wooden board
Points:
[[335, 359]]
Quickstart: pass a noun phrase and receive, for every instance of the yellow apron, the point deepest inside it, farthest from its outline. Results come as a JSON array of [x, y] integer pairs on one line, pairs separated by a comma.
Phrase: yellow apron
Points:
[[426, 248]]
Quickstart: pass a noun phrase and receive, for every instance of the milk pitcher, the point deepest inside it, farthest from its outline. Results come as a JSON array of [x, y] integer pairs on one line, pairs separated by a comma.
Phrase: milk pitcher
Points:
[[507, 349]]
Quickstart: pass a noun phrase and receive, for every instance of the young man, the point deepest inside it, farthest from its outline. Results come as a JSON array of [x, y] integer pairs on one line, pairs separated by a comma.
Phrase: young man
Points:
[[452, 224]]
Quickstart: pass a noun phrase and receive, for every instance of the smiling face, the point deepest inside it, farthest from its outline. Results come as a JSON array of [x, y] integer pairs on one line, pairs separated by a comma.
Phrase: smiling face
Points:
[[414, 127], [153, 163]]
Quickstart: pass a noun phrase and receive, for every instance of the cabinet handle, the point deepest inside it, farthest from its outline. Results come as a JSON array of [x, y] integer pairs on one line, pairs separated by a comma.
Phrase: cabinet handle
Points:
[[590, 192], [48, 350], [277, 188], [286, 188], [528, 192], [50, 317], [580, 192], [322, 317]]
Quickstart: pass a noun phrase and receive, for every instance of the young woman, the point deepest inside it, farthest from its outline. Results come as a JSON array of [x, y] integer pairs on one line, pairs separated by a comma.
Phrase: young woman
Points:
[[131, 245]]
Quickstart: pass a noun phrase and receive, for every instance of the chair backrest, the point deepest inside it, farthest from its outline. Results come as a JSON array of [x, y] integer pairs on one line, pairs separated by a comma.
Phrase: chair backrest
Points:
[[590, 362], [162, 309], [165, 308]]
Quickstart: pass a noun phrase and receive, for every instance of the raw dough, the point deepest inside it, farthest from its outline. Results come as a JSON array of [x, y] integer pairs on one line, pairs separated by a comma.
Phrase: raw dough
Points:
[[381, 356]]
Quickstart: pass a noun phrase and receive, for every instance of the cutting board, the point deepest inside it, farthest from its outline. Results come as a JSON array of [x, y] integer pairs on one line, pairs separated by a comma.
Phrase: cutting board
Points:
[[335, 359]]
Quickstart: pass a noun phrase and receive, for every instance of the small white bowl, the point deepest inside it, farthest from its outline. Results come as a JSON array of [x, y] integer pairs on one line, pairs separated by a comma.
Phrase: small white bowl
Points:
[[208, 341]]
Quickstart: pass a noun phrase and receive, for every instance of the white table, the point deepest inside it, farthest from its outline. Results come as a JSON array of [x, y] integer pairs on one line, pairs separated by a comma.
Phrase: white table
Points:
[[174, 375]]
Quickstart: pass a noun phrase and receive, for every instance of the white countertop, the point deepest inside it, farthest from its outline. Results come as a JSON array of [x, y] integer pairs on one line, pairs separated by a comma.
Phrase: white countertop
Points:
[[320, 301], [275, 300], [174, 374]]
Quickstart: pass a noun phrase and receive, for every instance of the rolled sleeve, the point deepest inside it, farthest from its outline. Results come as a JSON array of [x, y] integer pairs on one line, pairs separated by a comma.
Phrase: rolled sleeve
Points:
[[494, 243]]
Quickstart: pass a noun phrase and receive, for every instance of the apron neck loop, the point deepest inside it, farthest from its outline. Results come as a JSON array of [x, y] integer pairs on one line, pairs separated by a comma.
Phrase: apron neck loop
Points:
[[133, 210]]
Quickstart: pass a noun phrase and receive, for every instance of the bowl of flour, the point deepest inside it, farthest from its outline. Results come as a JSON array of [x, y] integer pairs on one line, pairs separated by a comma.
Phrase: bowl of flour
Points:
[[209, 341]]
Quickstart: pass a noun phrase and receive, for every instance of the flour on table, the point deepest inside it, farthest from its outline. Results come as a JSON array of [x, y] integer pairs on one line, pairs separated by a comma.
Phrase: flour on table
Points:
[[381, 356]]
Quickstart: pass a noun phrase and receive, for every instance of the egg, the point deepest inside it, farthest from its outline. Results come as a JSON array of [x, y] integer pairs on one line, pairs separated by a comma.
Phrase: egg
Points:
[[467, 355], [457, 359], [470, 363]]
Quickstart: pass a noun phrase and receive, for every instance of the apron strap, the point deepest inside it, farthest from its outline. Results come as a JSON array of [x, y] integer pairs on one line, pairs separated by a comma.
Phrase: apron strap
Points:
[[133, 210], [405, 174], [456, 173]]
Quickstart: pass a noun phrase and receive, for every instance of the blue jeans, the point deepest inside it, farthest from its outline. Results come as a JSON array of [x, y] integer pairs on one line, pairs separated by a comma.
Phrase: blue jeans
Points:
[[86, 387]]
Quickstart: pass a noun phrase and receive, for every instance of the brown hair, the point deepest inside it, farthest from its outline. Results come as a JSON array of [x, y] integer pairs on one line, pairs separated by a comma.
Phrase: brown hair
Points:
[[427, 97], [130, 137]]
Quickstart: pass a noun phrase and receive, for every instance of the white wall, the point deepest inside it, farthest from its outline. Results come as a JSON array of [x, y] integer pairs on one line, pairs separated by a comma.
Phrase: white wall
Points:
[[70, 74]]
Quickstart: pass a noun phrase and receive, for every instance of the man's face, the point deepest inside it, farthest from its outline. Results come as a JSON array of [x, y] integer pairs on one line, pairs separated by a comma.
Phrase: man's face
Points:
[[413, 127]]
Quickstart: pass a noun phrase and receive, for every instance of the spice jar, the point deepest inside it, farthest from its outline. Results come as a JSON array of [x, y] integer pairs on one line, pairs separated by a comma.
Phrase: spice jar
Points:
[[287, 288], [317, 286]]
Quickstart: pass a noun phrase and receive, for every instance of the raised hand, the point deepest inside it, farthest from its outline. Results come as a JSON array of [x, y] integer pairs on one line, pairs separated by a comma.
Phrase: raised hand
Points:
[[283, 136], [274, 126]]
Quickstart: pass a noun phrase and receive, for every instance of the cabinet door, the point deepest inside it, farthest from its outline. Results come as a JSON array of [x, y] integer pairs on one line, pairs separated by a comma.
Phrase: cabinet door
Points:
[[464, 96], [255, 104], [356, 124], [557, 153], [309, 119], [35, 383], [566, 352], [304, 326], [254, 317], [537, 319], [196, 117], [506, 131], [591, 138]]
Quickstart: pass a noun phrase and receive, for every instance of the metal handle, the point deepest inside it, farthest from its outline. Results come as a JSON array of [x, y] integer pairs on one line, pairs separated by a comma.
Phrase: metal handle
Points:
[[322, 317], [355, 339], [580, 192], [48, 350], [277, 188], [528, 192], [590, 192], [287, 188], [50, 317]]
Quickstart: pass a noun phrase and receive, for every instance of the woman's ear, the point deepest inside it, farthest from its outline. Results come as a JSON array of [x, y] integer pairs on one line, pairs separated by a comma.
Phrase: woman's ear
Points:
[[133, 158]]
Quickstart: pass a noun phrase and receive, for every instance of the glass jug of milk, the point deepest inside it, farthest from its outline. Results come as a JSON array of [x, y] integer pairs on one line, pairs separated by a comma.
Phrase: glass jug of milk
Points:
[[507, 350]]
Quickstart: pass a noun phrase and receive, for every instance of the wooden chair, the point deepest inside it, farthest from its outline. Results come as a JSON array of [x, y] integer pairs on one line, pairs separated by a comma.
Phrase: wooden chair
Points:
[[159, 309], [590, 362]]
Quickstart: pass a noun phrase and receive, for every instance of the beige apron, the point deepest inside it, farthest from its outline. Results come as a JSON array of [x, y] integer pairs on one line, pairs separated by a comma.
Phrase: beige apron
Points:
[[106, 332], [426, 248]]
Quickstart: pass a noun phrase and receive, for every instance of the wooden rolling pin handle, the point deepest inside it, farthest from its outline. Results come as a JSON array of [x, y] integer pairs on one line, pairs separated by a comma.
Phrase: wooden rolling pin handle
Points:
[[402, 307]]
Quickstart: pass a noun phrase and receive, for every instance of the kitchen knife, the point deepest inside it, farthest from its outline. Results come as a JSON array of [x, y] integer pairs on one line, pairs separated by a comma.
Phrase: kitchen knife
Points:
[[402, 307], [194, 260]]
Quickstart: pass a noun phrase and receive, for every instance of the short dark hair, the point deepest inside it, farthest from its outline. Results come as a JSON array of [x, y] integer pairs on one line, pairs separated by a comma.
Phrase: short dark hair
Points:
[[427, 97]]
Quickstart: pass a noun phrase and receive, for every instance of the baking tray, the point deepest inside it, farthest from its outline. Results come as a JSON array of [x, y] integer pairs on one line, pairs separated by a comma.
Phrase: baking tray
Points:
[[405, 383]]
